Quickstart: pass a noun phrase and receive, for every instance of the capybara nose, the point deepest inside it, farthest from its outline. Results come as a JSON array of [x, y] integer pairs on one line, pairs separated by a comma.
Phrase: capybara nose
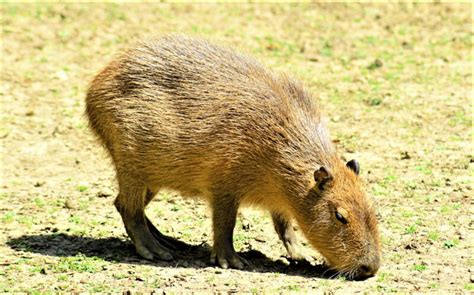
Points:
[[365, 271], [369, 269]]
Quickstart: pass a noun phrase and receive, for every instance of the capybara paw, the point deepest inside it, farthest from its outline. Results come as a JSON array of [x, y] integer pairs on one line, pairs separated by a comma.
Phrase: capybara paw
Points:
[[230, 259], [297, 253], [168, 242], [153, 250]]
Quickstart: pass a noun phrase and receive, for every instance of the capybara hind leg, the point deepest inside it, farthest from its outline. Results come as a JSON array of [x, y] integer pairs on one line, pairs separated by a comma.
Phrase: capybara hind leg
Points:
[[224, 214], [149, 195], [130, 203], [165, 240], [287, 235], [169, 242]]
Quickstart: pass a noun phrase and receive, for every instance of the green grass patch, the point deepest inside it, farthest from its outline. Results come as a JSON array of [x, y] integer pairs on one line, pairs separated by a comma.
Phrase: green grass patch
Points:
[[433, 235], [412, 229], [382, 277], [79, 263], [450, 208], [425, 169], [8, 217], [469, 286], [420, 267], [82, 188], [74, 219], [39, 202]]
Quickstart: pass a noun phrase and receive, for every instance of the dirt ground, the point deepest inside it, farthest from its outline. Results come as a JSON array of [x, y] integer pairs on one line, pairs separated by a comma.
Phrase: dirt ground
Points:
[[394, 80]]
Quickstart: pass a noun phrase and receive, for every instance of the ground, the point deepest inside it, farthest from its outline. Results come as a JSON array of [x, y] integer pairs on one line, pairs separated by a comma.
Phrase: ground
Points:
[[394, 80]]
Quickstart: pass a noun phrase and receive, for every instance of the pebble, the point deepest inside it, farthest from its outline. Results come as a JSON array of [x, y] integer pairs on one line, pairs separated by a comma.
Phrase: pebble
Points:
[[456, 196], [261, 240], [377, 63], [71, 204], [405, 155], [105, 192], [246, 225], [39, 183], [140, 279]]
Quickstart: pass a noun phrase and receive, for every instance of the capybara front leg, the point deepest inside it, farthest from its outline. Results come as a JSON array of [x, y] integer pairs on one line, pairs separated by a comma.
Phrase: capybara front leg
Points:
[[287, 235], [224, 214]]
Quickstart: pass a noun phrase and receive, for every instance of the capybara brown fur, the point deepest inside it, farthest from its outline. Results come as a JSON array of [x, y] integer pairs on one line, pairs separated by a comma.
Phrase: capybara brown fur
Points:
[[180, 113]]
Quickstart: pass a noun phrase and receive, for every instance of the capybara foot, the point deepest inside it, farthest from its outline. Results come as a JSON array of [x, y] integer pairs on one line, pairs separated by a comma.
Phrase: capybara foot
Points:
[[297, 253], [168, 242], [149, 247], [226, 259]]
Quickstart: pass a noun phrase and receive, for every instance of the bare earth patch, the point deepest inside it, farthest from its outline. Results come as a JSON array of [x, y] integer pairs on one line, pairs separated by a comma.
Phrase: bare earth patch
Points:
[[395, 82]]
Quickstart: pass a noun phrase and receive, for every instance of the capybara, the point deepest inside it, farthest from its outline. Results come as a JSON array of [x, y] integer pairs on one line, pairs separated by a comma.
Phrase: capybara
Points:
[[182, 114]]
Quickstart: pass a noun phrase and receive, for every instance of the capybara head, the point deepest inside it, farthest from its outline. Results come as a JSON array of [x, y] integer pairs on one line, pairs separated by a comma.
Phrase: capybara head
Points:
[[342, 223]]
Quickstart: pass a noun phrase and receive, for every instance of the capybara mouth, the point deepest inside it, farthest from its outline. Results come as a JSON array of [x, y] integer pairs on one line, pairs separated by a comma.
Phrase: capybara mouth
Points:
[[361, 272]]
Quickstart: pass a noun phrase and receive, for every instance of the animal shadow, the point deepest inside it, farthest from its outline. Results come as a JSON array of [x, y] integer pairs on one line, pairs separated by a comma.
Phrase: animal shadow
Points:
[[118, 250]]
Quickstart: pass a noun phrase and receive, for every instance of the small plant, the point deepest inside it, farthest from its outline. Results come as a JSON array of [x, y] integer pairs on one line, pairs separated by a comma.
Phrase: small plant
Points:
[[120, 276], [391, 178], [211, 279], [410, 185], [420, 267], [425, 169], [82, 188], [326, 49], [342, 278], [176, 208], [469, 286], [429, 199], [450, 244], [381, 277], [74, 219], [446, 209], [83, 205], [374, 101], [433, 235], [8, 217], [295, 288], [39, 202], [62, 277], [26, 220], [408, 214], [411, 229]]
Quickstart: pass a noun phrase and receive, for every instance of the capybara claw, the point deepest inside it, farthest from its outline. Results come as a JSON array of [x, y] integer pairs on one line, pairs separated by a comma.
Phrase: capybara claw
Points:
[[229, 261]]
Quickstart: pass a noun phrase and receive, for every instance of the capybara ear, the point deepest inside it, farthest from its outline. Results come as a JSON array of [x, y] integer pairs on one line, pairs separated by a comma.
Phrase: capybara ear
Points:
[[354, 166], [322, 176]]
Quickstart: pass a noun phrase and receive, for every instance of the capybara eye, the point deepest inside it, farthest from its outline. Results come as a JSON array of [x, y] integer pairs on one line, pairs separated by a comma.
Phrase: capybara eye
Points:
[[341, 218]]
